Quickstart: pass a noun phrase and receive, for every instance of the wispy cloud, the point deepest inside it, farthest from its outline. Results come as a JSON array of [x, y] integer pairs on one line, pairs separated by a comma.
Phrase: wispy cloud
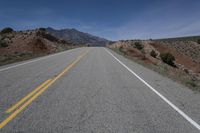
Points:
[[189, 29], [158, 23], [132, 19]]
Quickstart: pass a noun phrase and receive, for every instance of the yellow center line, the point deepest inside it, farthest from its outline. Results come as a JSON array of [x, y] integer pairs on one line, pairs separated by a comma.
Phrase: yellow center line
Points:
[[21, 108], [27, 96]]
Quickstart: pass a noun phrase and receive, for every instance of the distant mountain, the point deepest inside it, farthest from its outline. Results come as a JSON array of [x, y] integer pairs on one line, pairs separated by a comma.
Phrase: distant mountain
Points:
[[78, 37]]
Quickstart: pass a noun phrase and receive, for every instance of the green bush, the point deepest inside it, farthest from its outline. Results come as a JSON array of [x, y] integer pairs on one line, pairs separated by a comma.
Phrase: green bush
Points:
[[121, 49], [7, 30], [3, 44], [168, 58], [138, 45], [198, 41], [153, 53], [42, 29], [191, 83]]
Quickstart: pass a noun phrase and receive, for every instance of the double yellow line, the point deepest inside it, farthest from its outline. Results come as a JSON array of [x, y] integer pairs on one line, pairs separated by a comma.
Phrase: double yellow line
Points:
[[28, 99]]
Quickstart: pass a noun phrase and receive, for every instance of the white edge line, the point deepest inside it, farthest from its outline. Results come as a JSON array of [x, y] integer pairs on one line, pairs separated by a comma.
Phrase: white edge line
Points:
[[195, 124], [34, 60]]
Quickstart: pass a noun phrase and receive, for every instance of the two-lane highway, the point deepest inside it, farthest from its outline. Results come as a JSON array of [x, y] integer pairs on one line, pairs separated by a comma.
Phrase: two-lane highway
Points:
[[93, 90]]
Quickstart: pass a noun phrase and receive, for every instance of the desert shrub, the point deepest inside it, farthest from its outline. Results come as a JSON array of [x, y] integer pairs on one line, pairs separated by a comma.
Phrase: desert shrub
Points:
[[121, 49], [143, 51], [198, 41], [7, 30], [168, 58], [153, 53], [63, 41], [191, 83], [138, 45], [42, 29], [3, 44], [49, 37], [186, 71]]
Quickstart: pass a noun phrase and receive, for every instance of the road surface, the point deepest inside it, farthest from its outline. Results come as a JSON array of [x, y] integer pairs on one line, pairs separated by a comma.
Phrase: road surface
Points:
[[93, 90]]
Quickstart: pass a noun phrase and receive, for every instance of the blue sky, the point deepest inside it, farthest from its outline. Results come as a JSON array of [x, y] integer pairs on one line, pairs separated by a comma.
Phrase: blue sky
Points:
[[111, 19]]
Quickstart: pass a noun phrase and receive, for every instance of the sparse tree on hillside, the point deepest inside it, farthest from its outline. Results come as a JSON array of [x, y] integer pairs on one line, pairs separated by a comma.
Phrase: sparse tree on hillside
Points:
[[121, 49], [42, 29], [168, 58], [198, 41], [3, 44], [153, 53], [6, 30], [138, 45]]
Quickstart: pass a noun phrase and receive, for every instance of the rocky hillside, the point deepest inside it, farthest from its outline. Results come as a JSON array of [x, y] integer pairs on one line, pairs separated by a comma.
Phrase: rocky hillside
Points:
[[19, 45], [75, 36], [186, 47], [177, 58]]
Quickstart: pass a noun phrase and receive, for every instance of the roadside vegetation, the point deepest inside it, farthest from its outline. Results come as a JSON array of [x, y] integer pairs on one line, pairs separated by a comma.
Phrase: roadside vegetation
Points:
[[198, 41], [3, 44], [153, 54], [168, 58], [138, 45], [157, 59]]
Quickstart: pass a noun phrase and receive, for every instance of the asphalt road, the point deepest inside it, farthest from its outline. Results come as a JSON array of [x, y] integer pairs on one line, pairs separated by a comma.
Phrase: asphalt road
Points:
[[93, 90]]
